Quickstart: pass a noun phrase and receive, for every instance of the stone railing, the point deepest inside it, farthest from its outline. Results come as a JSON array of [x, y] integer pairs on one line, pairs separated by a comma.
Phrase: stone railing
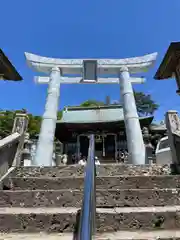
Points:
[[11, 147]]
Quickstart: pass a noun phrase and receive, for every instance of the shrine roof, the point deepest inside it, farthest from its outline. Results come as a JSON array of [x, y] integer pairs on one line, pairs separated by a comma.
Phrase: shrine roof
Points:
[[7, 70], [171, 59], [101, 114], [158, 127]]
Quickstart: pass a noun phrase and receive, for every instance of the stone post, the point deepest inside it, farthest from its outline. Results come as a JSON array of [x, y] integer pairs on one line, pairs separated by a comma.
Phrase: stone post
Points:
[[44, 151], [78, 148], [148, 145], [135, 142], [20, 126], [103, 142], [115, 142], [173, 130]]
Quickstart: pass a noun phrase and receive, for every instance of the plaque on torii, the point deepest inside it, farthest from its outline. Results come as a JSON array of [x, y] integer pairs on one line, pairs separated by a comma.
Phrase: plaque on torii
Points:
[[90, 71]]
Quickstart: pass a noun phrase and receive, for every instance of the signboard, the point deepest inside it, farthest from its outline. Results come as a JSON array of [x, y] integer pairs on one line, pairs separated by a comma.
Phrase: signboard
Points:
[[90, 70]]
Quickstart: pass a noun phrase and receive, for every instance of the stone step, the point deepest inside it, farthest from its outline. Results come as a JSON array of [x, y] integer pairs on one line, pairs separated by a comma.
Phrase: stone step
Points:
[[102, 170], [104, 198], [120, 182], [120, 235], [34, 220]]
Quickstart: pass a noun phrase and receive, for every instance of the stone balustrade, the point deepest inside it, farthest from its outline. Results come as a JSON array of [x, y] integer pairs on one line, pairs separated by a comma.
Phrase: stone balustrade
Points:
[[11, 147]]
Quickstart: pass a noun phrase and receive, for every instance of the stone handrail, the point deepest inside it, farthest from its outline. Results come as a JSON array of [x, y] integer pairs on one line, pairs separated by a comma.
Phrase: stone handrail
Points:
[[11, 146]]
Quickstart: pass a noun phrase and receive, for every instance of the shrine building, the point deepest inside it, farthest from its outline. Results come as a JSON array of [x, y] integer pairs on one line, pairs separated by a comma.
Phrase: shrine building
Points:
[[106, 122]]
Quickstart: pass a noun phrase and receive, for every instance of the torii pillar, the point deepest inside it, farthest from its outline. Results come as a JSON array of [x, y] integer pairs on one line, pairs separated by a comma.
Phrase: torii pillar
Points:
[[45, 145], [90, 69], [135, 142]]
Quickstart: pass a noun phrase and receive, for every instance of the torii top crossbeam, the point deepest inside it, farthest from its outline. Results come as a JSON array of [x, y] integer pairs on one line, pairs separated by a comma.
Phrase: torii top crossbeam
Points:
[[105, 66]]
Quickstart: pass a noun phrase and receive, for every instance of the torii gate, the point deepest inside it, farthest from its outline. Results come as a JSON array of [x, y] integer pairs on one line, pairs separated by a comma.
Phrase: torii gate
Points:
[[89, 71]]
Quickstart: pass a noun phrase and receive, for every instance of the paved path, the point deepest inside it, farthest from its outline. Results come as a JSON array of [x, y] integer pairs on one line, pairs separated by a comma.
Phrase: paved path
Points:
[[16, 210], [123, 235]]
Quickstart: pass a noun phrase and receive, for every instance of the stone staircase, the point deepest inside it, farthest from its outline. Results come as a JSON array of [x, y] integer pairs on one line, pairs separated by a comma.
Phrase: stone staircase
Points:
[[133, 202]]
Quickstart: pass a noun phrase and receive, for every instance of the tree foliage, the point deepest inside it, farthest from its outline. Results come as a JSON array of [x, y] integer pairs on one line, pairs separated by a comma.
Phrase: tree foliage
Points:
[[6, 123], [91, 103], [7, 120], [34, 125], [145, 104], [59, 115]]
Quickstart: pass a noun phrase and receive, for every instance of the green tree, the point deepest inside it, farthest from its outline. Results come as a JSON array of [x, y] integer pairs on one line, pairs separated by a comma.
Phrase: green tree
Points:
[[145, 104], [59, 115], [91, 103], [34, 125], [6, 122]]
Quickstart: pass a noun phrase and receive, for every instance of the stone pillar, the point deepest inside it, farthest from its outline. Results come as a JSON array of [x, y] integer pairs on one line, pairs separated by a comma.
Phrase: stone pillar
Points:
[[78, 148], [103, 142], [44, 151], [115, 142], [26, 154], [173, 131], [148, 145], [20, 125], [135, 142]]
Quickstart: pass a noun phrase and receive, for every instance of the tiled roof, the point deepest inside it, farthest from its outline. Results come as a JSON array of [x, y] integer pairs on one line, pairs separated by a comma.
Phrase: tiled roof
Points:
[[96, 115]]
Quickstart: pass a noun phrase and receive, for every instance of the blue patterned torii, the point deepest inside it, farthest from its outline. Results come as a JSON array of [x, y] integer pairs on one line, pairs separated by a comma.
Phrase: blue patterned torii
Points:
[[122, 68]]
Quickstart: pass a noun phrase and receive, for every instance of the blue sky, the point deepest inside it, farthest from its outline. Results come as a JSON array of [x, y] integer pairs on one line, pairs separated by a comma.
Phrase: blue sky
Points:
[[86, 29]]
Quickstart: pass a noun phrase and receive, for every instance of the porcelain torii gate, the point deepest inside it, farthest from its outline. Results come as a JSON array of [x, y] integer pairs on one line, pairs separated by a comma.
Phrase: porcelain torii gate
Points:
[[90, 72]]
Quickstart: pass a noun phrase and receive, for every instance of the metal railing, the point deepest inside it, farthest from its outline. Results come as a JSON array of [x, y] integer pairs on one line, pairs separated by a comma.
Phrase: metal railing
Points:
[[88, 211]]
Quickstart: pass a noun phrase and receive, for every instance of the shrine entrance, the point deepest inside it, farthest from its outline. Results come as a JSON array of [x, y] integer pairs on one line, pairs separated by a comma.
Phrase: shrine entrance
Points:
[[105, 147], [99, 146]]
